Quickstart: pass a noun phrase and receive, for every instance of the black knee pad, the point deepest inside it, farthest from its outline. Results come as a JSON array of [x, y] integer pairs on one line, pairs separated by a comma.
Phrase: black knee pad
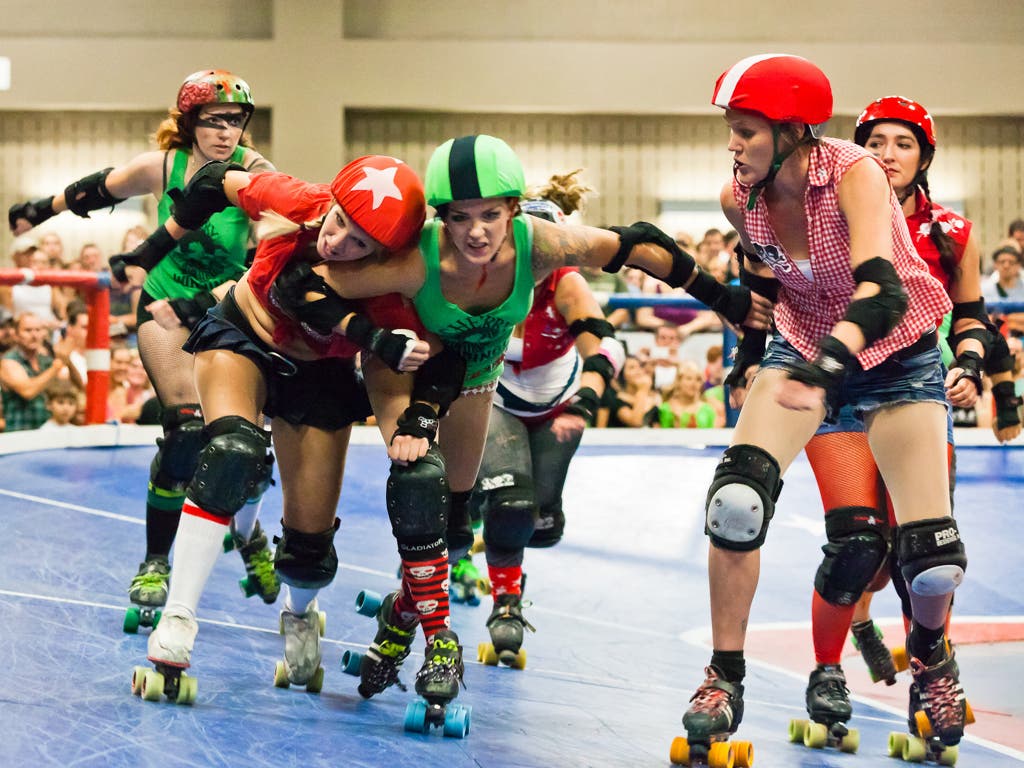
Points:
[[931, 556], [178, 450], [509, 511], [741, 499], [549, 528], [419, 502], [232, 467], [856, 551], [306, 560]]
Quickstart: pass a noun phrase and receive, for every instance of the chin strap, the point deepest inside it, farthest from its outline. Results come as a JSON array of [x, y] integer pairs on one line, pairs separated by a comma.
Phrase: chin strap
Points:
[[778, 158]]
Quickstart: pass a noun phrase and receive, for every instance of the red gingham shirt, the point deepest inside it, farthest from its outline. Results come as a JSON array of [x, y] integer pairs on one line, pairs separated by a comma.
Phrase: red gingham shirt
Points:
[[809, 309]]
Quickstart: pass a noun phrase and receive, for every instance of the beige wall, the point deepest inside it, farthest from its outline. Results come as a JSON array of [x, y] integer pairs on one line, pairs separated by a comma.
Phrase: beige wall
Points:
[[569, 83]]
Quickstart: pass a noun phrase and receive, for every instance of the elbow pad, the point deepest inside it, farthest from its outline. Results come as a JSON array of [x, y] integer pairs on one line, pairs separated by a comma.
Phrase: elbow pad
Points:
[[877, 315], [439, 380], [90, 193]]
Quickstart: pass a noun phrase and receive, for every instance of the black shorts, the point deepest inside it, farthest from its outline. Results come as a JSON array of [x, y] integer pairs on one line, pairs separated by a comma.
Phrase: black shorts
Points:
[[327, 394]]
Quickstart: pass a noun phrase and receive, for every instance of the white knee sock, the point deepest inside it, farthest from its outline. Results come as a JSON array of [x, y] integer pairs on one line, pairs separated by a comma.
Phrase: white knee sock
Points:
[[245, 518], [199, 542]]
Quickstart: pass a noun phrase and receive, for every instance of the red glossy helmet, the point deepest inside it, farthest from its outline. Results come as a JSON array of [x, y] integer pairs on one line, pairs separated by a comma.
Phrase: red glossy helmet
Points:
[[384, 196], [898, 109], [779, 87], [209, 86]]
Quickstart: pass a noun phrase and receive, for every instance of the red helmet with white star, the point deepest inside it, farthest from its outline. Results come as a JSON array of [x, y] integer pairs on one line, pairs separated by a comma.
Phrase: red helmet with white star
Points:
[[779, 87], [384, 196], [900, 110]]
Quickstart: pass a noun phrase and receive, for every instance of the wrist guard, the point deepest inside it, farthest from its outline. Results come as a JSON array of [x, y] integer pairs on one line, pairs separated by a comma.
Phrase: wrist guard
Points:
[[389, 346], [998, 359], [191, 311], [147, 254], [304, 296], [639, 232], [1008, 404], [203, 196], [970, 364], [828, 367], [439, 380], [90, 193], [730, 301], [748, 353], [35, 212], [418, 420], [584, 403]]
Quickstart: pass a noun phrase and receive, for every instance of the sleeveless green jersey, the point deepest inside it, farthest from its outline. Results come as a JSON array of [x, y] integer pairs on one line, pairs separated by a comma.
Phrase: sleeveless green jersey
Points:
[[481, 339], [206, 257]]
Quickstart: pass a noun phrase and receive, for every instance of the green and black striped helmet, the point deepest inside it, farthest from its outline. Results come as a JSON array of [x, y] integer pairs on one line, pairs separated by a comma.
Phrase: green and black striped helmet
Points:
[[473, 167]]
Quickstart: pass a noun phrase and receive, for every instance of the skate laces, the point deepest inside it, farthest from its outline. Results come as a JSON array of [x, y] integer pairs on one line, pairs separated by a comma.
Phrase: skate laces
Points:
[[443, 658], [510, 607], [154, 576], [830, 684], [940, 692], [713, 695], [868, 640]]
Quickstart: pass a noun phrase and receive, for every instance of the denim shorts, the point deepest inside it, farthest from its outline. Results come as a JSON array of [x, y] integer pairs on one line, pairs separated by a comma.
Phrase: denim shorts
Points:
[[915, 378]]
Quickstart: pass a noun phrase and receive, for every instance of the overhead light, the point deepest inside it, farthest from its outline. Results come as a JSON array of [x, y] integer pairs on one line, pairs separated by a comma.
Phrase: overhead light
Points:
[[5, 73]]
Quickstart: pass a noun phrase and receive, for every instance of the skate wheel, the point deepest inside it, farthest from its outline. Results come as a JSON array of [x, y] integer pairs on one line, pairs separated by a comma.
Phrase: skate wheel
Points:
[[850, 743], [316, 682], [743, 754], [483, 585], [416, 717], [156, 618], [515, 660], [915, 750], [456, 721], [796, 730], [248, 587], [368, 603], [152, 686], [350, 662], [229, 542], [815, 735], [896, 742], [323, 622], [131, 620], [137, 676], [720, 755], [281, 675], [949, 755], [968, 713], [899, 658], [485, 652], [679, 751], [187, 689], [924, 725]]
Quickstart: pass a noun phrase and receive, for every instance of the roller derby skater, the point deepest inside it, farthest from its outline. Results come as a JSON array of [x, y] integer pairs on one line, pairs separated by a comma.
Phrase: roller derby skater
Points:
[[828, 706]]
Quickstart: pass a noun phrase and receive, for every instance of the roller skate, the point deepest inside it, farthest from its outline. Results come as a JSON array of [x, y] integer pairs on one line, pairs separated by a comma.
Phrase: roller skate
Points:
[[467, 584], [867, 638], [260, 579], [505, 624], [170, 650], [715, 713], [377, 669], [828, 705], [438, 683], [301, 665], [148, 593], [938, 712]]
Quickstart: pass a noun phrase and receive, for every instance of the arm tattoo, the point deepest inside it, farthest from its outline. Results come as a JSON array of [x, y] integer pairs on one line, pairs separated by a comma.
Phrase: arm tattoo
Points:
[[568, 248]]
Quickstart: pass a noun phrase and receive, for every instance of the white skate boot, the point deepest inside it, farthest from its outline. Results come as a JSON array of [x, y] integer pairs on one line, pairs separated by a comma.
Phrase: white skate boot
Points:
[[170, 650], [301, 665]]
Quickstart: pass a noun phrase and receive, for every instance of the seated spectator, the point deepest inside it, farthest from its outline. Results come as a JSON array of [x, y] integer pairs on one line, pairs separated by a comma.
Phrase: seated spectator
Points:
[[53, 246], [46, 302], [27, 370], [632, 401], [124, 298], [714, 374], [76, 332], [1005, 284], [603, 284], [126, 400], [685, 407], [1016, 232], [665, 356], [120, 361], [63, 404], [7, 336]]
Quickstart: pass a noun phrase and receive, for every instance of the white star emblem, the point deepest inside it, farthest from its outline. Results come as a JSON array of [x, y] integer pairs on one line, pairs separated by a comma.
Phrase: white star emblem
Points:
[[381, 183]]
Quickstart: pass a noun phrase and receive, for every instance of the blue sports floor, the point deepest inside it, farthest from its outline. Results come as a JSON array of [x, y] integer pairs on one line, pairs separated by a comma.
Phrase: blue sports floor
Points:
[[620, 609]]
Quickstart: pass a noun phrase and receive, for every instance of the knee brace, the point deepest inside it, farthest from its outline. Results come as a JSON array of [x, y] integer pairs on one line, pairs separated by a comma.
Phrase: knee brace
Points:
[[178, 450], [508, 511], [550, 526], [855, 552], [232, 467], [306, 560], [931, 556], [741, 499], [419, 502]]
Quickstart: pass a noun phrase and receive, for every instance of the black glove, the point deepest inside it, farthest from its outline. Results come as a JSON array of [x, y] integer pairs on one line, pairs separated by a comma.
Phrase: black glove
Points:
[[291, 291], [1008, 404], [971, 363], [749, 353], [203, 196], [387, 345], [147, 254], [828, 367], [35, 212], [418, 420], [191, 311], [584, 403]]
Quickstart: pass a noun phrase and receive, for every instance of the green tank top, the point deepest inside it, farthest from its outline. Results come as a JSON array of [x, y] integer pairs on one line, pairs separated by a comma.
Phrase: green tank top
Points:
[[480, 339], [703, 418], [205, 258], [944, 348]]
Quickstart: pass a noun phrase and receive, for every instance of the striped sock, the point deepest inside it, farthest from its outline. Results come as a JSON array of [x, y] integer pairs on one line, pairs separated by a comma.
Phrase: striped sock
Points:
[[425, 594]]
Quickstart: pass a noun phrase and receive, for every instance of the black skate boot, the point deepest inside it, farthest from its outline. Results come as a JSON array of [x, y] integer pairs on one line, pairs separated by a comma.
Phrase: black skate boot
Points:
[[505, 624], [941, 705], [923, 744], [715, 712], [867, 638], [261, 578], [378, 668], [147, 593], [438, 683], [828, 705]]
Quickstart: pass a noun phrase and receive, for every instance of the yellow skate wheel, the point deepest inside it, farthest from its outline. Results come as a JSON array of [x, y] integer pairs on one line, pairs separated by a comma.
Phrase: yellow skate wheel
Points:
[[316, 682], [281, 675], [721, 755], [323, 622], [949, 755], [519, 662], [815, 735], [924, 725], [915, 750], [485, 652], [137, 676], [896, 742], [679, 751], [899, 658], [152, 685], [796, 730], [743, 752], [188, 687], [483, 585], [850, 742], [968, 713]]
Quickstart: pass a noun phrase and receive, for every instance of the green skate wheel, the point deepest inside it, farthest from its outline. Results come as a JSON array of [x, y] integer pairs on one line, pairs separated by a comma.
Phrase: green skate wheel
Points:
[[316, 682], [187, 689], [679, 751], [368, 603], [815, 735], [131, 620], [743, 754], [281, 675], [915, 750], [152, 686], [485, 652], [949, 755], [416, 717], [350, 662], [896, 742], [247, 586], [137, 676], [156, 618], [796, 730], [229, 542], [850, 743], [456, 721]]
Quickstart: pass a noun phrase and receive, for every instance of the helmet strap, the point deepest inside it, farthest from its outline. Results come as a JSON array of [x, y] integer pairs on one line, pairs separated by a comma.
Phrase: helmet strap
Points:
[[778, 158]]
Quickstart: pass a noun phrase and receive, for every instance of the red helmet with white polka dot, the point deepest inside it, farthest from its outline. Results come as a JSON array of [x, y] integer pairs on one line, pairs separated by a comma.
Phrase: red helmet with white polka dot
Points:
[[896, 109], [779, 87], [384, 196]]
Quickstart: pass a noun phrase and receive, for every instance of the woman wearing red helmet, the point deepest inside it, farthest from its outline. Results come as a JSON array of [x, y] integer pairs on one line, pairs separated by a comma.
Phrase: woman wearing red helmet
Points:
[[855, 315], [263, 351], [207, 123]]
